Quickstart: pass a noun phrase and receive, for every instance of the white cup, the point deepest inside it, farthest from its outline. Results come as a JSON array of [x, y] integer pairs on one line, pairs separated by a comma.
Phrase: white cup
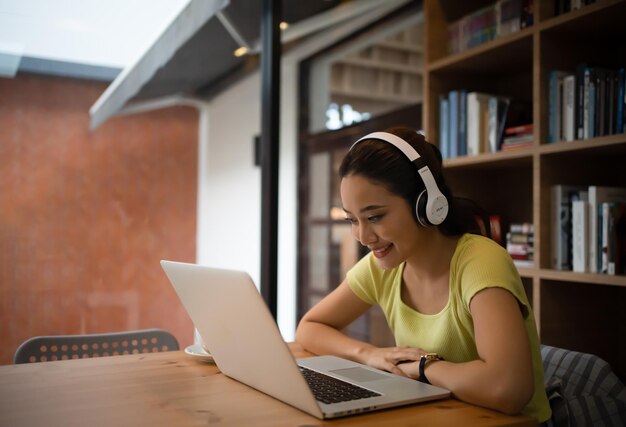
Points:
[[197, 339]]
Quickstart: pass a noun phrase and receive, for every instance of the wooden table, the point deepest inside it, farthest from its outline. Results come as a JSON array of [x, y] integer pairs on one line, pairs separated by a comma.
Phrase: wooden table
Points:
[[175, 389]]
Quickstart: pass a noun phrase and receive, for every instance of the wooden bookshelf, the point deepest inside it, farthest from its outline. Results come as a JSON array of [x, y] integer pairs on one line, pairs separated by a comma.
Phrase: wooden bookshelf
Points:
[[583, 312]]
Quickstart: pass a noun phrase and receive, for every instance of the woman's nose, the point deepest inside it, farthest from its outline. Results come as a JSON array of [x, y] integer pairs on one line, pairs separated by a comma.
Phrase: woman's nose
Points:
[[364, 234]]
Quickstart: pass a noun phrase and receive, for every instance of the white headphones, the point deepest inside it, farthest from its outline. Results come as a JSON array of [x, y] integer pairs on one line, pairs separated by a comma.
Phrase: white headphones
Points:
[[431, 206]]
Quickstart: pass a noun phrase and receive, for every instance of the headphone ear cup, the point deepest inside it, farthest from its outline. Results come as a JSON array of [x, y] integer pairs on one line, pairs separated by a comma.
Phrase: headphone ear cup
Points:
[[420, 209]]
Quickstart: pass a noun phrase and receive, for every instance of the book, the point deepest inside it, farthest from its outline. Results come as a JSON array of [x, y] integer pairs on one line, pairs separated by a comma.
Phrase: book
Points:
[[498, 108], [453, 129], [600, 102], [521, 263], [477, 105], [597, 196], [561, 224], [516, 145], [568, 109], [520, 237], [523, 227], [520, 248], [519, 130], [520, 138], [555, 85], [578, 100], [603, 266], [613, 237], [462, 129], [617, 233], [611, 102], [589, 103], [621, 99], [444, 126], [580, 236]]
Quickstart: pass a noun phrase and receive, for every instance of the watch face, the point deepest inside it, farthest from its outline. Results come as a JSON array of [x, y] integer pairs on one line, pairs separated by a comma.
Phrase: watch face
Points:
[[431, 356]]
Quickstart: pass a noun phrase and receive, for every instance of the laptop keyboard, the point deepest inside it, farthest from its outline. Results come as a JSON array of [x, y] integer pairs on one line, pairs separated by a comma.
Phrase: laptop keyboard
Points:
[[328, 389]]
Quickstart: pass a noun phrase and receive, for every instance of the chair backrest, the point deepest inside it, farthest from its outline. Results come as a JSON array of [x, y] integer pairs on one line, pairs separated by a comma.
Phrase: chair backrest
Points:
[[64, 347], [582, 389]]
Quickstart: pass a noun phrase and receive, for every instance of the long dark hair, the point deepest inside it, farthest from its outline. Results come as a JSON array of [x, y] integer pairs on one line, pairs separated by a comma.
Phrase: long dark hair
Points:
[[385, 164]]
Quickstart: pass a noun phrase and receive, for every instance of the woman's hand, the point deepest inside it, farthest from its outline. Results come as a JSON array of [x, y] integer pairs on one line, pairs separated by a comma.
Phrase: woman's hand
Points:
[[397, 360]]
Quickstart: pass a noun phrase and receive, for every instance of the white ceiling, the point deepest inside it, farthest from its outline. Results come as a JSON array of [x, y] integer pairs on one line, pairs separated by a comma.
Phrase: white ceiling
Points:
[[110, 33]]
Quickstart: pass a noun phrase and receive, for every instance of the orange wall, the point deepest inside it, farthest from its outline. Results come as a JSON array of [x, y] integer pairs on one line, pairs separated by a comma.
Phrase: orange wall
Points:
[[85, 216]]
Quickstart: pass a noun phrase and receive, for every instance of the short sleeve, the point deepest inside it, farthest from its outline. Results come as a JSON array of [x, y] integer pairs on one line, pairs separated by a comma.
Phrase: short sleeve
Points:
[[485, 264], [361, 279]]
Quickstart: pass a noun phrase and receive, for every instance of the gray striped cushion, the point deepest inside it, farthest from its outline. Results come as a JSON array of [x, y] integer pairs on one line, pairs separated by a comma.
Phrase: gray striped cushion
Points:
[[582, 388]]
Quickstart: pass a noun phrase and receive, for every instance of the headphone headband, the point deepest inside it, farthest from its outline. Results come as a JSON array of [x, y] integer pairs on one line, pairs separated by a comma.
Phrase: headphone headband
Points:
[[431, 208], [400, 143]]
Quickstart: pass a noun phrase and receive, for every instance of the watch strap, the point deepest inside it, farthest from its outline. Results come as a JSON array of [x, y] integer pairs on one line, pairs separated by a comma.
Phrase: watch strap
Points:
[[426, 358]]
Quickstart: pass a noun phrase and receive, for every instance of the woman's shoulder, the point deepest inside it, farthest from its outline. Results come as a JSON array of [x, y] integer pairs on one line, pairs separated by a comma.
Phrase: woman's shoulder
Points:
[[474, 243]]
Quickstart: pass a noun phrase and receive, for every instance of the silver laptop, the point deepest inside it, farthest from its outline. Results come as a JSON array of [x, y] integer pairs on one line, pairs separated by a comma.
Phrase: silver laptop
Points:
[[237, 327]]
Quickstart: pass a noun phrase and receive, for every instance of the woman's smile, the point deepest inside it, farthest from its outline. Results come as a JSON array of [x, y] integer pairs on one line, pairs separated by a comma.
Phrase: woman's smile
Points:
[[381, 252]]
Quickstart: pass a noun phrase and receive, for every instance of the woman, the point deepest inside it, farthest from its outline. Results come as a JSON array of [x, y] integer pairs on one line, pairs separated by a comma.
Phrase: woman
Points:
[[454, 300]]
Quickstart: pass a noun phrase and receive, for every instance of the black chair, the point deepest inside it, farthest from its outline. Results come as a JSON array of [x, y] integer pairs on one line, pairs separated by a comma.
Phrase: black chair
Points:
[[582, 389], [64, 347]]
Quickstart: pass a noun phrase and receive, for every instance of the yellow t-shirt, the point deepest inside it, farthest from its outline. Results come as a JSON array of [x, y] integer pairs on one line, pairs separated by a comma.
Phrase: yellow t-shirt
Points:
[[477, 263]]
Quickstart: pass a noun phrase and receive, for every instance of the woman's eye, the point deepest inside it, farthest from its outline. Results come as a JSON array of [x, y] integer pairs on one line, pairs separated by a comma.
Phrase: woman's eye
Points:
[[374, 218], [351, 220]]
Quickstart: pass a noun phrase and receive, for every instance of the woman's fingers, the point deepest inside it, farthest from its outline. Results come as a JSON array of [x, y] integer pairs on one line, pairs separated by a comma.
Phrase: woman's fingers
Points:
[[405, 354]]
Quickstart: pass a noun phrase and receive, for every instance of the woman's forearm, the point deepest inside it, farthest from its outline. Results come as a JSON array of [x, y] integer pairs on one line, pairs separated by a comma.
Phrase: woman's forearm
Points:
[[323, 339], [500, 388]]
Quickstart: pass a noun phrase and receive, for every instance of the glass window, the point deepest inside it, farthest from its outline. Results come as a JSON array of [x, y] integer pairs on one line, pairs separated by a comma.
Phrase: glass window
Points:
[[371, 76]]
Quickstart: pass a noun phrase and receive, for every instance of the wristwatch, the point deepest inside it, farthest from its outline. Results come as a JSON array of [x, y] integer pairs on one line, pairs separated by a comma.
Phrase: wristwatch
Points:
[[426, 358]]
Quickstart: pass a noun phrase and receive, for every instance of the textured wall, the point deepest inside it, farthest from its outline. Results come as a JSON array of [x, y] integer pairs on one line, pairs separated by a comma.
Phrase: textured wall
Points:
[[85, 216]]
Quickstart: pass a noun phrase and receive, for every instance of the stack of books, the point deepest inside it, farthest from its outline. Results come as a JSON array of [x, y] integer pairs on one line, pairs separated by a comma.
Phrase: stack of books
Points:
[[520, 244], [495, 20], [517, 137]]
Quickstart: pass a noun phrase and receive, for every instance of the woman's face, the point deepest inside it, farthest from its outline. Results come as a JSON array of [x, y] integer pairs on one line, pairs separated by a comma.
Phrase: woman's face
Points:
[[381, 220]]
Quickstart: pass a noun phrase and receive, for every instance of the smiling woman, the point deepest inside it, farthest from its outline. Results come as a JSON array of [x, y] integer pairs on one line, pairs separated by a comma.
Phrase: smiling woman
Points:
[[453, 300]]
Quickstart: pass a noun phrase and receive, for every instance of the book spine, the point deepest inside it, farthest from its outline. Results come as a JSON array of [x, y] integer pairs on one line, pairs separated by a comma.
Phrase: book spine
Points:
[[568, 107], [503, 110], [580, 85], [493, 124], [453, 131], [473, 124], [586, 84], [462, 123], [552, 106], [600, 114], [524, 138], [444, 143], [592, 131], [611, 238], [619, 237], [598, 243], [611, 101], [604, 253], [579, 236], [519, 130], [557, 227]]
